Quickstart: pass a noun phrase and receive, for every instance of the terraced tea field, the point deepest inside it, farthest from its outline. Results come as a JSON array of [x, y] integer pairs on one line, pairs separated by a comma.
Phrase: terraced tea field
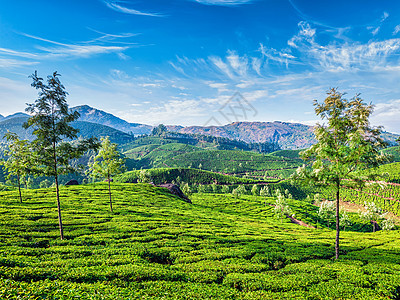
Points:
[[156, 246]]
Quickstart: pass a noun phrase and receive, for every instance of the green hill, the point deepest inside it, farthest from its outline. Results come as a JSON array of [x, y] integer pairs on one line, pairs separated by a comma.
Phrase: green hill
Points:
[[391, 172], [394, 152], [156, 246], [190, 176], [234, 162], [292, 154]]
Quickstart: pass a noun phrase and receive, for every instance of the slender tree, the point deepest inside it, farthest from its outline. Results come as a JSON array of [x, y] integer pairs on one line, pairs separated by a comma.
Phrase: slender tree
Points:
[[107, 163], [50, 120], [18, 162], [346, 144]]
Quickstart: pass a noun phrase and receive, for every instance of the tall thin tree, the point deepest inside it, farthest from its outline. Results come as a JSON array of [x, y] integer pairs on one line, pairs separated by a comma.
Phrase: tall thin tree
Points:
[[107, 163], [19, 159], [346, 145], [50, 120]]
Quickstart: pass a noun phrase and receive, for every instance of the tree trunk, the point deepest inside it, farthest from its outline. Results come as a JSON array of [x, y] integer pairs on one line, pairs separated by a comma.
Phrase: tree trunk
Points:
[[60, 224], [109, 191], [337, 221], [19, 188]]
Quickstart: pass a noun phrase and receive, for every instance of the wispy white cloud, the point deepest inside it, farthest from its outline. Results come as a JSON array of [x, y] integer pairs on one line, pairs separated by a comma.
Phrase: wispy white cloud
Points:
[[388, 110], [305, 34], [17, 53], [122, 9], [375, 29], [81, 50], [396, 30], [224, 2], [110, 37], [78, 50], [221, 87], [222, 66], [6, 63], [387, 114], [256, 95]]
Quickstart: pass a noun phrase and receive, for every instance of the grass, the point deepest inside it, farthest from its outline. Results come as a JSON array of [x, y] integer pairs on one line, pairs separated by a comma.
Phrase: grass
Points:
[[156, 246]]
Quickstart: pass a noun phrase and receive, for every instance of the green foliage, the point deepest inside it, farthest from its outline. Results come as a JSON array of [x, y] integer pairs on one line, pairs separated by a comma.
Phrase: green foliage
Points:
[[239, 191], [107, 162], [346, 145], [232, 162], [389, 172], [189, 175], [345, 220], [45, 184], [327, 211], [281, 209], [19, 162], [255, 190], [50, 120], [393, 152], [388, 224], [160, 247], [292, 154], [186, 189], [160, 130], [265, 192]]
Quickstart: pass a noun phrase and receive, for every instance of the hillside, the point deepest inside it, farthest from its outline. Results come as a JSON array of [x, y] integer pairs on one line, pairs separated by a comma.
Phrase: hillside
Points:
[[287, 135], [394, 152], [233, 162], [86, 130], [156, 246], [182, 175], [292, 154], [93, 115]]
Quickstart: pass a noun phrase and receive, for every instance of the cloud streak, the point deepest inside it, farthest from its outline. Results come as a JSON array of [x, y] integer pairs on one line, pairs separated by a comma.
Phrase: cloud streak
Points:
[[122, 9], [224, 2], [79, 50]]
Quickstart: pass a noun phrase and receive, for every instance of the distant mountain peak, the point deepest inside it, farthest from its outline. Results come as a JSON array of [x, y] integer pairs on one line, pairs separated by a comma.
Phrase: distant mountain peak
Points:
[[94, 115], [16, 115]]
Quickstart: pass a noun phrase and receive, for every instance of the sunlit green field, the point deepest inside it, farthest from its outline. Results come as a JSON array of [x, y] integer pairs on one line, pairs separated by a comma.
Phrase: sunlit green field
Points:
[[156, 246]]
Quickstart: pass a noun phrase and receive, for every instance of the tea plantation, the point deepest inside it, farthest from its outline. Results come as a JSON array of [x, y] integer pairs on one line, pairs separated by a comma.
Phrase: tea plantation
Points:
[[156, 246]]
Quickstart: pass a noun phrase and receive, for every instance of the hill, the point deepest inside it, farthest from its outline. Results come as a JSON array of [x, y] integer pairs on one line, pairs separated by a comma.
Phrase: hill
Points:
[[156, 246], [286, 135], [394, 152], [93, 115], [180, 175], [241, 163], [292, 154], [86, 130]]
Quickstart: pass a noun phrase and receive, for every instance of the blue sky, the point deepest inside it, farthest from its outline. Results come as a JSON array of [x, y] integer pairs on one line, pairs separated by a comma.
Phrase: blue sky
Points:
[[180, 61]]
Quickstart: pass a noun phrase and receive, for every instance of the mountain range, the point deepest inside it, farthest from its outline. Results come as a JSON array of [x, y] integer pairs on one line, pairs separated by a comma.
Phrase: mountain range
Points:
[[95, 122]]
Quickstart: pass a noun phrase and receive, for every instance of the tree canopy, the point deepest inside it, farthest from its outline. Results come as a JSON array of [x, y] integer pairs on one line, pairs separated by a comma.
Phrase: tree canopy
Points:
[[50, 120], [346, 144], [107, 163]]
